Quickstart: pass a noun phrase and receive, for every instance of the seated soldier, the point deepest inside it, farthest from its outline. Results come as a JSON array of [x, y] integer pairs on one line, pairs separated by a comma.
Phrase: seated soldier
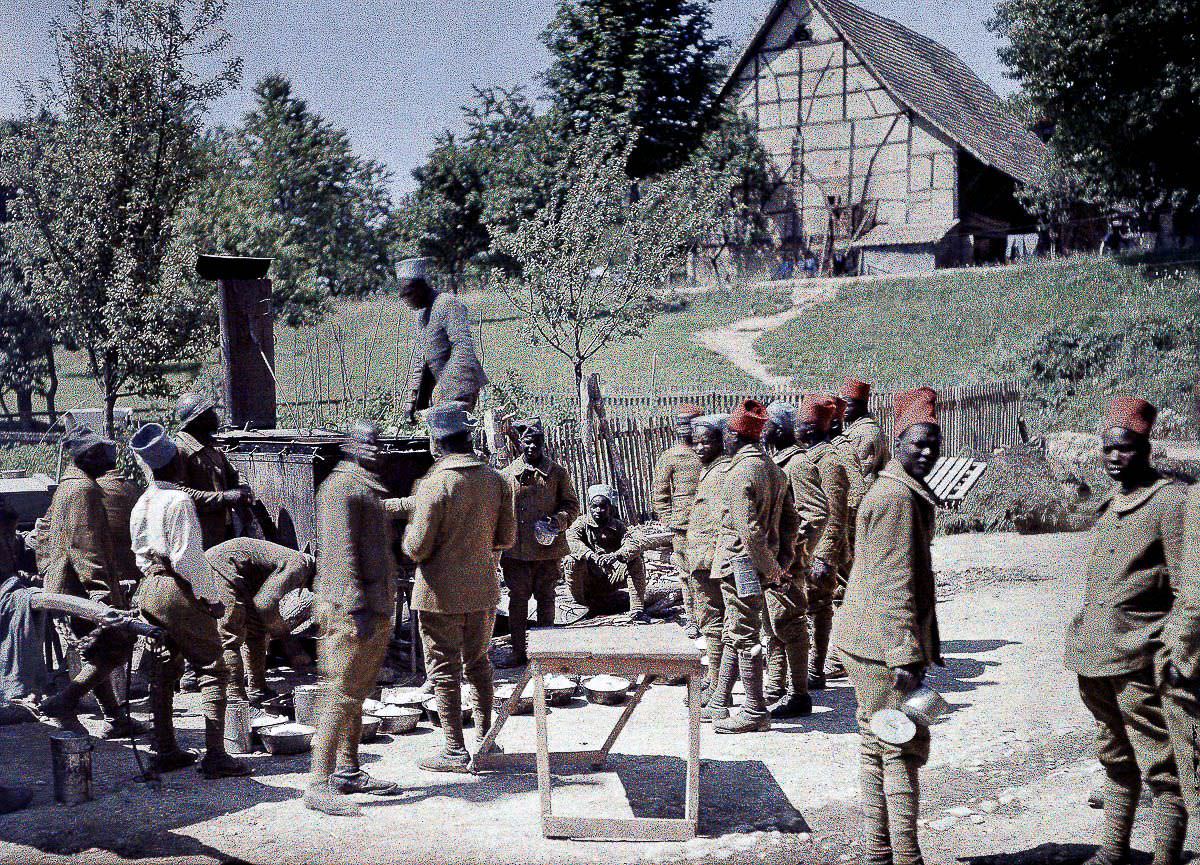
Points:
[[599, 564]]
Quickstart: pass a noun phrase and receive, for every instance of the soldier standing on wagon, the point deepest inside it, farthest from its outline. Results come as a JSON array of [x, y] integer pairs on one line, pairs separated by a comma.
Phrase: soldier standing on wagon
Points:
[[673, 488], [208, 478]]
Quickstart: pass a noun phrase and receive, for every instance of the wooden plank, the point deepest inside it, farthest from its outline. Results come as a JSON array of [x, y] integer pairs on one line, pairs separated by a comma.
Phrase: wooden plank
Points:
[[543, 741], [619, 828], [502, 717], [652, 642], [691, 806]]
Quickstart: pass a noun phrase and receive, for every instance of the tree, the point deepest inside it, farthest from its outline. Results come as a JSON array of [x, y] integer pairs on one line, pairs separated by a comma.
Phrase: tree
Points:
[[646, 64], [335, 232], [1121, 82], [593, 262], [101, 185]]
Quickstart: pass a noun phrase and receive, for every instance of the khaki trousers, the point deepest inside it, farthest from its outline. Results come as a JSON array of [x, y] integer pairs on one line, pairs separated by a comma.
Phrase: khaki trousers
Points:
[[244, 642], [1131, 731], [743, 617], [593, 586], [457, 644], [349, 665], [1181, 710], [525, 580], [710, 606]]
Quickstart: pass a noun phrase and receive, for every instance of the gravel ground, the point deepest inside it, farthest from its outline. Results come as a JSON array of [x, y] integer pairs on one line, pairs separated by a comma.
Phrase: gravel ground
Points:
[[1007, 783]]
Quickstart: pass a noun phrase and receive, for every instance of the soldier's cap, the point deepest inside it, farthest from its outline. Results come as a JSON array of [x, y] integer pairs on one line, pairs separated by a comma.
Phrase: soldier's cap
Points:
[[191, 405], [1131, 413], [688, 412], [528, 426], [365, 432], [818, 409], [782, 413], [604, 491], [412, 269], [749, 418], [855, 389], [710, 421], [914, 407], [82, 439], [153, 446], [449, 419]]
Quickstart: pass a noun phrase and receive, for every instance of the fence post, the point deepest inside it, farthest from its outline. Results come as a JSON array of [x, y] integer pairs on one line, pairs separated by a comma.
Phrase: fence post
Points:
[[616, 462]]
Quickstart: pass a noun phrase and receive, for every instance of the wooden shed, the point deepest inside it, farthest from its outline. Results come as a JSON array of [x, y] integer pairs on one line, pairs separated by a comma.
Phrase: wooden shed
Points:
[[886, 148]]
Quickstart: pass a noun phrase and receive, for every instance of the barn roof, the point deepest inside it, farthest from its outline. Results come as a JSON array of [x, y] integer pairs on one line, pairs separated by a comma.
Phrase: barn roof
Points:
[[930, 80]]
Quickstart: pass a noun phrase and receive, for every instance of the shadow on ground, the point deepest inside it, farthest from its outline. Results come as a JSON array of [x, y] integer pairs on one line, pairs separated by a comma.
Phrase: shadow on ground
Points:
[[1050, 854]]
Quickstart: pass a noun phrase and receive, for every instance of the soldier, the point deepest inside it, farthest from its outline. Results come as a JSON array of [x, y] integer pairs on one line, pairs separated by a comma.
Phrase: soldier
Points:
[[1133, 576], [462, 517], [786, 622], [76, 558], [355, 606], [1180, 681], [708, 437], [600, 564], [120, 494], [444, 365], [887, 631], [813, 433], [674, 490], [545, 505], [208, 478], [846, 454], [863, 431], [175, 595], [260, 574], [755, 545]]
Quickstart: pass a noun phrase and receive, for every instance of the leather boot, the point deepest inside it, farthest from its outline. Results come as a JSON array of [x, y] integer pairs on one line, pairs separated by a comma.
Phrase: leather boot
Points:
[[775, 683], [753, 717], [1170, 829], [902, 792], [822, 626], [877, 841], [798, 702], [453, 757], [118, 724], [722, 694]]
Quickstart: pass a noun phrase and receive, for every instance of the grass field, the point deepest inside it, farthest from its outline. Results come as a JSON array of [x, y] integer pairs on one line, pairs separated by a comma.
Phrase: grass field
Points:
[[1074, 331]]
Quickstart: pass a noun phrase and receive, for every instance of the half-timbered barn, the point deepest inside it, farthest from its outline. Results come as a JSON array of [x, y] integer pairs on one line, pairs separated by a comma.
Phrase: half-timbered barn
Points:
[[888, 152]]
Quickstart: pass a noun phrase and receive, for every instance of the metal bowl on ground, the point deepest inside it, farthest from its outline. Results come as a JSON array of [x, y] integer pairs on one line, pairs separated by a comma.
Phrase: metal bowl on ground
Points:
[[410, 697], [261, 723], [524, 704], [291, 738], [606, 690], [559, 689], [431, 712], [370, 726], [398, 719], [370, 707]]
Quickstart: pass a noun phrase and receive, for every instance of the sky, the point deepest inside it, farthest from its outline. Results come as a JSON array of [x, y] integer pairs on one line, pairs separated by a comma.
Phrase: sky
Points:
[[394, 72]]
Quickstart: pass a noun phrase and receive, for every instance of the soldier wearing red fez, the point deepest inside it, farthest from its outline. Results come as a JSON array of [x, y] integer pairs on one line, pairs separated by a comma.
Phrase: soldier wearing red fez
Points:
[[813, 431], [755, 545], [887, 629], [1129, 646], [862, 430], [673, 489]]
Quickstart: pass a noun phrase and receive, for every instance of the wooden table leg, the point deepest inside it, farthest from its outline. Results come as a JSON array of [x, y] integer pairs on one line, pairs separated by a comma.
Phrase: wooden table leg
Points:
[[543, 741], [501, 717], [691, 807], [623, 720]]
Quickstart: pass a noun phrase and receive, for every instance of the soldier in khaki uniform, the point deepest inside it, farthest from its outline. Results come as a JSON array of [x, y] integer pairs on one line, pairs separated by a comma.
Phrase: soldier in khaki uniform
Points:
[[599, 563], [260, 574], [813, 432], [786, 622], [1179, 659], [542, 494], [355, 605], [75, 557], [887, 630], [862, 431], [120, 495], [208, 478], [673, 490], [701, 543], [1133, 577], [755, 545], [856, 488], [462, 518]]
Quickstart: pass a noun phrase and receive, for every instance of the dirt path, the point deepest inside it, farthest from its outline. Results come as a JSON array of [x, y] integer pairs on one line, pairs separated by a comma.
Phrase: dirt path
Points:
[[735, 342]]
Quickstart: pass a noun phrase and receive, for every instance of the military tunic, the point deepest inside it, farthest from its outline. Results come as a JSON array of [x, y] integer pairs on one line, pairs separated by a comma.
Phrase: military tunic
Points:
[[120, 495], [592, 583], [1181, 646], [831, 543], [75, 555], [787, 602], [701, 546], [445, 366], [673, 490], [866, 438], [206, 474]]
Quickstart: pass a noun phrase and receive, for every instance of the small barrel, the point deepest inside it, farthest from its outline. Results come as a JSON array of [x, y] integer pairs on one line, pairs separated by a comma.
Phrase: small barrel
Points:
[[306, 700], [71, 755], [237, 727]]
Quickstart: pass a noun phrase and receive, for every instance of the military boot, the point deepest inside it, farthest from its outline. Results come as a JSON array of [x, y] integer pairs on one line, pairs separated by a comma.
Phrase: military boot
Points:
[[358, 781], [721, 697], [753, 717], [1170, 829], [453, 757], [117, 722], [326, 799], [63, 708], [775, 683], [1120, 805], [798, 702], [217, 762]]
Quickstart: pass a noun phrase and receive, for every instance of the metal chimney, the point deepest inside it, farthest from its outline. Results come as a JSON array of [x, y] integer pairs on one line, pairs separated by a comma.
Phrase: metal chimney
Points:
[[247, 337]]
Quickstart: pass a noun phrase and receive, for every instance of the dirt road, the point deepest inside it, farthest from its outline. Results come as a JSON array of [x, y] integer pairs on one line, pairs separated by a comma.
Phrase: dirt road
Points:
[[1010, 771]]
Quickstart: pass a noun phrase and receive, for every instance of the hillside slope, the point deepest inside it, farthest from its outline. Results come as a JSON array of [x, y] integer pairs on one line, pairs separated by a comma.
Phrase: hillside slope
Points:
[[1074, 332]]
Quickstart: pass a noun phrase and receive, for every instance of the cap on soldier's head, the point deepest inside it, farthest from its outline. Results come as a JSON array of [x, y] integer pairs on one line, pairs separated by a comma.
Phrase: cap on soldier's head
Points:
[[603, 491], [529, 426], [749, 418], [818, 409], [710, 421], [412, 269], [153, 446], [782, 414], [1131, 413], [82, 439], [191, 405], [448, 419], [914, 407], [855, 389]]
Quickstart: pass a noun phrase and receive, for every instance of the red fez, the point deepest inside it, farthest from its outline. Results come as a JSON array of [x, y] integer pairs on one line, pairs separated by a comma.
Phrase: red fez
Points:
[[749, 418], [841, 407], [914, 407], [689, 410], [855, 389], [1132, 414], [818, 410]]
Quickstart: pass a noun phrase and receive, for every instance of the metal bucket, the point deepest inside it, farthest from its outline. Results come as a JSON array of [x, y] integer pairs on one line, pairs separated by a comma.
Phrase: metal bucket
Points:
[[237, 727], [306, 701], [925, 706], [71, 756]]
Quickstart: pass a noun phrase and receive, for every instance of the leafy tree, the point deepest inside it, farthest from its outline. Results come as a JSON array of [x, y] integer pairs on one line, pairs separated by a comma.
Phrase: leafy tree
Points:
[[593, 262], [102, 184], [1121, 82], [334, 207], [647, 64]]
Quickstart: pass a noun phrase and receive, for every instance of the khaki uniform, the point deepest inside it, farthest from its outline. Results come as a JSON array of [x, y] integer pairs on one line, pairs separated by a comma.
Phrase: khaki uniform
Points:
[[866, 439], [1133, 577], [591, 583], [830, 547], [856, 487], [259, 573], [889, 620], [700, 548], [462, 516], [530, 569], [356, 580], [120, 494], [673, 491], [444, 364], [1181, 646], [206, 474]]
